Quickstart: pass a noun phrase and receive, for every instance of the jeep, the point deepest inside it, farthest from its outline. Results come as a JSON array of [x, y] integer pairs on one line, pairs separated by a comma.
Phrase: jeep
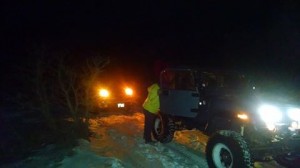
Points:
[[117, 95], [242, 127]]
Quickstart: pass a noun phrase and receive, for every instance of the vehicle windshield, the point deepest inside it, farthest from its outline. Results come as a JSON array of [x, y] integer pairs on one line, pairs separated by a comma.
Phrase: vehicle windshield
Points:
[[224, 80]]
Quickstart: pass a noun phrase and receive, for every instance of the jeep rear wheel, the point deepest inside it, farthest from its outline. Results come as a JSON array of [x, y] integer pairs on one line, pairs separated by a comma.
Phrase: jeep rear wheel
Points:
[[228, 149], [164, 128]]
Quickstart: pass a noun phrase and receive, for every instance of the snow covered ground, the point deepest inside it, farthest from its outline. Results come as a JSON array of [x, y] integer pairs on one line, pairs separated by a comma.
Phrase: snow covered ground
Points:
[[117, 142]]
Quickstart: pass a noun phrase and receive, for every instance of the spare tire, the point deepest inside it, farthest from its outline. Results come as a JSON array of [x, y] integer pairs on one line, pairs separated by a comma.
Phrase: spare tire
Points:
[[228, 149]]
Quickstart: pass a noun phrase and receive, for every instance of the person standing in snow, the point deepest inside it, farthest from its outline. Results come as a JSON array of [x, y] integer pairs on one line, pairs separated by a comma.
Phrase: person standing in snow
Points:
[[151, 107]]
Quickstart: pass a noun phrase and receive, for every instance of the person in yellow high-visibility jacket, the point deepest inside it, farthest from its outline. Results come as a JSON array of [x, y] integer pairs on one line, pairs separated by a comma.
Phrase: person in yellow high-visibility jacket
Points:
[[151, 108]]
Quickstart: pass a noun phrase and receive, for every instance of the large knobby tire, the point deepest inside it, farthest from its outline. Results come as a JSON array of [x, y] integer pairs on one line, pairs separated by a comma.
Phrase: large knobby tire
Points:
[[228, 149], [164, 128]]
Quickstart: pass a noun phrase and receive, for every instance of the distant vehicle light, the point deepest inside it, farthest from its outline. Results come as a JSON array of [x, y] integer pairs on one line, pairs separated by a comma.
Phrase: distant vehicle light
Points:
[[128, 91], [103, 93]]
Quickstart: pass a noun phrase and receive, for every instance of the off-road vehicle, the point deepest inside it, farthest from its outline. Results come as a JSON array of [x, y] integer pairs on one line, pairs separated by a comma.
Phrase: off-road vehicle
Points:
[[117, 95], [243, 128]]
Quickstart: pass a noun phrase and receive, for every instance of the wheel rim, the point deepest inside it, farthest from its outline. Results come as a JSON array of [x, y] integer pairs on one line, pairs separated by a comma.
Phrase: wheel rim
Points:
[[158, 126], [222, 156]]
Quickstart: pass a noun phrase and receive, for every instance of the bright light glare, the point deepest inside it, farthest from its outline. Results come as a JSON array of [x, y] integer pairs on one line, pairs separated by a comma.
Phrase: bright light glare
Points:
[[294, 114], [103, 93], [271, 126], [269, 114], [294, 125], [242, 116], [128, 91]]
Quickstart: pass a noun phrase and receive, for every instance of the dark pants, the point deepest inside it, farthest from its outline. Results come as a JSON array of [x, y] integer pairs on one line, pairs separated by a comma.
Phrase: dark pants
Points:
[[149, 124]]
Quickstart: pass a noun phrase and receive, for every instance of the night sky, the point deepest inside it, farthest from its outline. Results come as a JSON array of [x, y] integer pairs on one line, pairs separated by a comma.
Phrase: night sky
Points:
[[250, 35]]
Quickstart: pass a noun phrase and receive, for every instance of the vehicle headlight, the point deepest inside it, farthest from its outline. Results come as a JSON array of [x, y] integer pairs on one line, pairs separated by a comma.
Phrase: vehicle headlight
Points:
[[242, 116], [270, 114], [103, 93], [128, 91], [294, 114]]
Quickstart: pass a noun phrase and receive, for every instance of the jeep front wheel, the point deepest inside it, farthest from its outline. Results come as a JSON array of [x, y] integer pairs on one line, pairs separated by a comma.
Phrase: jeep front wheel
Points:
[[228, 149], [164, 128]]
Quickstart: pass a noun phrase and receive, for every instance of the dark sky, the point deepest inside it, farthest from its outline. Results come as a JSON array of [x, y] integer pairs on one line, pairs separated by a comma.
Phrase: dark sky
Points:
[[247, 34]]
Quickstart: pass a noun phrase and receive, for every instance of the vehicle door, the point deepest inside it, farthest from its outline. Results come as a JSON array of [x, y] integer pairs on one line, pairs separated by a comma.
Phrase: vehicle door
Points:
[[178, 94]]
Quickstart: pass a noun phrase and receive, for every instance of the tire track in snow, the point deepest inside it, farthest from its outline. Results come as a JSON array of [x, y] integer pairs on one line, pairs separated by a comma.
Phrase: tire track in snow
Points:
[[199, 159], [130, 149]]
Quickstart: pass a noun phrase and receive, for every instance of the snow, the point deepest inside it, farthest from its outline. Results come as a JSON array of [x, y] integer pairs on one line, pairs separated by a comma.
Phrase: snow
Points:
[[120, 137], [117, 143]]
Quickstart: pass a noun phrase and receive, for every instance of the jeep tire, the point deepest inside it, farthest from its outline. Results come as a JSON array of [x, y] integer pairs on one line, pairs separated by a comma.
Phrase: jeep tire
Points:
[[228, 149], [164, 128]]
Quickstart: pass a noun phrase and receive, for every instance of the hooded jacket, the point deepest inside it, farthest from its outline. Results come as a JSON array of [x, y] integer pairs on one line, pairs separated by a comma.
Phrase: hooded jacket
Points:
[[151, 103]]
